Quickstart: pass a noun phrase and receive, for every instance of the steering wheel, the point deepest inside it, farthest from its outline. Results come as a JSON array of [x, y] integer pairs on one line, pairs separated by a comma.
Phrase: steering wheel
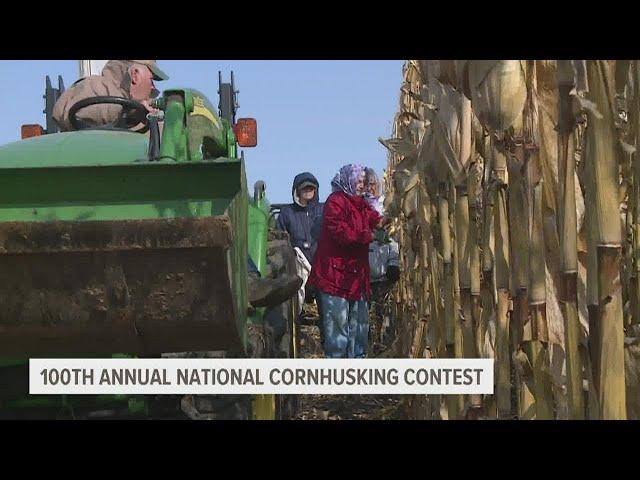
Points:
[[132, 114]]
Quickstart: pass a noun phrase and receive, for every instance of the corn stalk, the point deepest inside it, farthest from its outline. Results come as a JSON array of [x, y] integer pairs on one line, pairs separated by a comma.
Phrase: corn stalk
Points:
[[536, 347], [602, 162], [569, 242], [501, 226]]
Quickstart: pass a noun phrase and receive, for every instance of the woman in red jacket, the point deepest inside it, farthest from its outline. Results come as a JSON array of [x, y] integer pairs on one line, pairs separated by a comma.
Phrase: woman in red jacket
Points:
[[340, 269]]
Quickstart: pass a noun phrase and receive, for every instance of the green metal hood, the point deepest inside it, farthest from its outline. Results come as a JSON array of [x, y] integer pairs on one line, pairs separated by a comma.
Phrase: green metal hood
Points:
[[74, 149]]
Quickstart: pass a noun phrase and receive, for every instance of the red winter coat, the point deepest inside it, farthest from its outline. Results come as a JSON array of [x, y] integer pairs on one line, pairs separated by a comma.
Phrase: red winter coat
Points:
[[341, 264]]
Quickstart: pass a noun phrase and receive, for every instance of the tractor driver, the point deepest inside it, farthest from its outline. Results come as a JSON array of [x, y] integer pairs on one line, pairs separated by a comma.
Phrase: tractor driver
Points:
[[131, 79]]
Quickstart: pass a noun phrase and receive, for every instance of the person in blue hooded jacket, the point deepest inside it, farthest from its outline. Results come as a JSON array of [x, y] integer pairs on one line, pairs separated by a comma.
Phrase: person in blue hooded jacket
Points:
[[300, 217]]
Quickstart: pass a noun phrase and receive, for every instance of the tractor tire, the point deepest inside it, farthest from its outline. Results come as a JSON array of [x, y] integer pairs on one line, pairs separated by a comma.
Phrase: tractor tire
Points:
[[274, 339], [230, 407], [280, 322]]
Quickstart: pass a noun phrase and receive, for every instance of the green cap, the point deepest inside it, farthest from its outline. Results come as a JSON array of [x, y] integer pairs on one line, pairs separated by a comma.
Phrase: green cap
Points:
[[153, 66]]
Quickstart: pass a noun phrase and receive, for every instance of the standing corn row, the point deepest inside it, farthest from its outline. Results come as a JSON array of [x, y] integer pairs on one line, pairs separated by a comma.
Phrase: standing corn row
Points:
[[508, 180]]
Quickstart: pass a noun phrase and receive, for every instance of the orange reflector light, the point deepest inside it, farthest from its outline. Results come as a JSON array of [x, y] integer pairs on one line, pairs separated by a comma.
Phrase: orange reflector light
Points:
[[246, 131], [28, 131]]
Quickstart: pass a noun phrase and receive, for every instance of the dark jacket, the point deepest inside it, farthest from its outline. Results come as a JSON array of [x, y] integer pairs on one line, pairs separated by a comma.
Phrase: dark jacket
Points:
[[341, 267], [298, 220]]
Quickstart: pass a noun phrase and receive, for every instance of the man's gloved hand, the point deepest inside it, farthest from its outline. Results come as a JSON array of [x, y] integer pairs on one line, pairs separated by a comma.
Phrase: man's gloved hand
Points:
[[150, 109], [393, 273]]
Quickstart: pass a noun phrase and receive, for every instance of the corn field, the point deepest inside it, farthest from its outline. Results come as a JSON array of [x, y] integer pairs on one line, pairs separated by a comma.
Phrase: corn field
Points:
[[515, 191]]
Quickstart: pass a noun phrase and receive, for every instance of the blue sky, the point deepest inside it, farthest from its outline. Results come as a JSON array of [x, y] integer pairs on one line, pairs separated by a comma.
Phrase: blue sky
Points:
[[312, 115]]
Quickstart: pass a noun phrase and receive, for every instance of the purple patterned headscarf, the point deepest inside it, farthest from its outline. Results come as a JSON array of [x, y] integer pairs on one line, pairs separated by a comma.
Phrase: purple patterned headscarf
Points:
[[347, 179]]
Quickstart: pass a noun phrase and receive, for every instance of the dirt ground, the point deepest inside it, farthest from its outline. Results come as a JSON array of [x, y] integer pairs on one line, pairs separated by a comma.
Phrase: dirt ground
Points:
[[341, 407]]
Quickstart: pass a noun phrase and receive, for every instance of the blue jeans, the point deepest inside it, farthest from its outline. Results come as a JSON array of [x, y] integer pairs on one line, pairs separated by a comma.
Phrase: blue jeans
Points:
[[344, 326]]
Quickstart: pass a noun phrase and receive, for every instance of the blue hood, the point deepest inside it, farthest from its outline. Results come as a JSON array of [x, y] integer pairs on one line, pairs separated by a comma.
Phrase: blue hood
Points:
[[299, 180]]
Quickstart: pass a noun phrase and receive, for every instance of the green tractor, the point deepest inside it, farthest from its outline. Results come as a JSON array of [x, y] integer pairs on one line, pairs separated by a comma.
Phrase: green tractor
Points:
[[116, 243]]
